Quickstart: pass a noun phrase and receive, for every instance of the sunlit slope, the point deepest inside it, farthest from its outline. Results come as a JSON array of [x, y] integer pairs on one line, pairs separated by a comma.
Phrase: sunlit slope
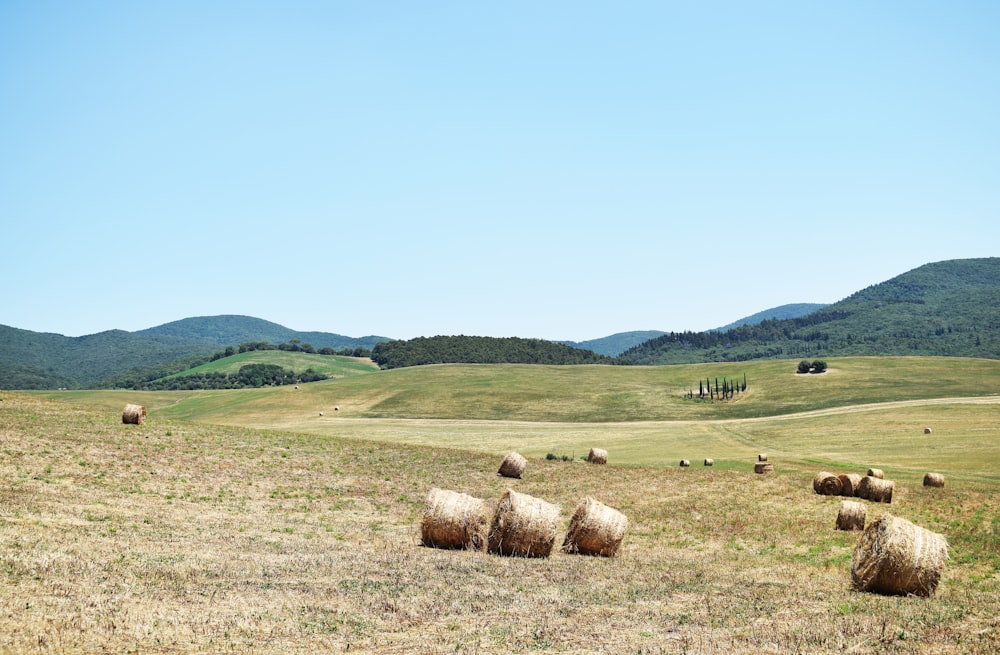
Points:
[[334, 366], [863, 412]]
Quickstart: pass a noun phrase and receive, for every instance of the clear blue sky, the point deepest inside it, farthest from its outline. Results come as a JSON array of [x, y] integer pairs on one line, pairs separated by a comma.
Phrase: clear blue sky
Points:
[[561, 170]]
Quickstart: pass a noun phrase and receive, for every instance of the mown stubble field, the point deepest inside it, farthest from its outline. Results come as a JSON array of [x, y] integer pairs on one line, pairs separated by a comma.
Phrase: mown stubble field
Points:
[[175, 537]]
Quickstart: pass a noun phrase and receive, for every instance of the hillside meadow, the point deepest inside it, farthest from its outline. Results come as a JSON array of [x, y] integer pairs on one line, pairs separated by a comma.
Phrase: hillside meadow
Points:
[[245, 522]]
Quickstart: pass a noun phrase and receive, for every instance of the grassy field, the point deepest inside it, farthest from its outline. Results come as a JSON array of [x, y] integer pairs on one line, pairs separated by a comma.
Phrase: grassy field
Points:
[[243, 521], [334, 366]]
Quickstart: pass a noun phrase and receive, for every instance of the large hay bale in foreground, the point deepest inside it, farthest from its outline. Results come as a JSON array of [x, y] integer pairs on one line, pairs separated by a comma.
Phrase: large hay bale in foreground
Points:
[[852, 515], [455, 520], [513, 465], [875, 489], [523, 526], [876, 473], [134, 414], [933, 480], [763, 467], [849, 484], [598, 456], [896, 557], [827, 484], [595, 529]]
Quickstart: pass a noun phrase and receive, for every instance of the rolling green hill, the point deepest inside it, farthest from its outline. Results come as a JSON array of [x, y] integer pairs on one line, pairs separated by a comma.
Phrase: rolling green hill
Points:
[[949, 308], [36, 360]]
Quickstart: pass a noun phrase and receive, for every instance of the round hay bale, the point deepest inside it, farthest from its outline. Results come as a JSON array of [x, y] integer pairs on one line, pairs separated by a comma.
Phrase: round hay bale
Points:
[[598, 456], [762, 457], [896, 557], [685, 463], [455, 520], [927, 430], [523, 526], [876, 473], [513, 465], [763, 467], [827, 484], [321, 413], [134, 414], [852, 515], [933, 480], [595, 529], [875, 489], [849, 484], [709, 461]]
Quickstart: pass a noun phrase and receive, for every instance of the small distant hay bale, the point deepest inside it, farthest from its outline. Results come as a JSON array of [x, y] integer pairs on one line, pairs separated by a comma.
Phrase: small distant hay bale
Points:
[[455, 520], [849, 484], [763, 467], [321, 413], [134, 414], [852, 515], [876, 473], [598, 456], [513, 465], [898, 558], [709, 461], [875, 489], [927, 430], [685, 463], [762, 457], [336, 408], [827, 484], [933, 480], [595, 529], [523, 526]]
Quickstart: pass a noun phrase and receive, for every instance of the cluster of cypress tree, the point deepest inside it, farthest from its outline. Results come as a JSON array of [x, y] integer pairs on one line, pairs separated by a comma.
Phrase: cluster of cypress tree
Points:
[[726, 391]]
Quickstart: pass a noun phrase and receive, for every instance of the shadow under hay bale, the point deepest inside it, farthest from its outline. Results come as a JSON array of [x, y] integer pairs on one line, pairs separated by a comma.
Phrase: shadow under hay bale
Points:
[[827, 484], [763, 467], [933, 480], [876, 473], [455, 520], [513, 465], [598, 456], [134, 414], [898, 558], [875, 489], [849, 484], [595, 529], [523, 526], [852, 515], [709, 461]]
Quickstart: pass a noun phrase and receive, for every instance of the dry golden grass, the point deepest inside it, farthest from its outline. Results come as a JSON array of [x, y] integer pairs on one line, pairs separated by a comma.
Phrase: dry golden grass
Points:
[[175, 537]]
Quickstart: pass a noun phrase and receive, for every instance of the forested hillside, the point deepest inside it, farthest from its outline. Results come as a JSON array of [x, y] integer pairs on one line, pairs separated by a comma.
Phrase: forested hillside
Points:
[[480, 350], [230, 329], [38, 360], [949, 308]]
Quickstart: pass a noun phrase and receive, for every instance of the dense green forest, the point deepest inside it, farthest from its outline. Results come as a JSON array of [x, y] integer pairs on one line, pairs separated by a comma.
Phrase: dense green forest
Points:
[[949, 308], [480, 350]]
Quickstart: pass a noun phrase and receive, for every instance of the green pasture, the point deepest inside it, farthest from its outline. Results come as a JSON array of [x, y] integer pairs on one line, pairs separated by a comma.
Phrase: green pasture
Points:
[[864, 412], [334, 366]]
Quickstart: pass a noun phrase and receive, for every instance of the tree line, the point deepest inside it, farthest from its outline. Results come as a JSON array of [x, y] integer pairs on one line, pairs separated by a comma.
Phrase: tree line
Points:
[[480, 350], [249, 376]]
